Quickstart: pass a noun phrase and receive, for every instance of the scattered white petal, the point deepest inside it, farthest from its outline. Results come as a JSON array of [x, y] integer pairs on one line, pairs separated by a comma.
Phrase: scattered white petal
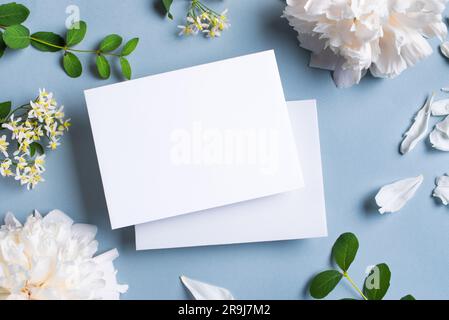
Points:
[[444, 47], [439, 140], [440, 108], [204, 291], [418, 129], [442, 189], [440, 136], [395, 196]]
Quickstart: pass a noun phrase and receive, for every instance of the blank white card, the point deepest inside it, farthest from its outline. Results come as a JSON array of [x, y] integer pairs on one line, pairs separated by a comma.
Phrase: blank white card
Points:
[[298, 214], [193, 139]]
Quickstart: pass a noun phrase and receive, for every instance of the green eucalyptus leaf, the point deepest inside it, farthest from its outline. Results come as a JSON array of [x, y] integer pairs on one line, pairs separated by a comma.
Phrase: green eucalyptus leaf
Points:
[[110, 43], [130, 46], [72, 65], [37, 147], [2, 45], [377, 282], [76, 33], [408, 297], [126, 68], [345, 250], [43, 41], [103, 67], [12, 14], [167, 6], [5, 109], [17, 37], [324, 283]]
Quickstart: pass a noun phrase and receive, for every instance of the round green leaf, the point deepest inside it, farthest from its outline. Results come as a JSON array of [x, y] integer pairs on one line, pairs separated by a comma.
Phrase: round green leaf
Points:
[[43, 41], [17, 37], [324, 283], [126, 68], [377, 283], [5, 109], [130, 46], [345, 250], [72, 65], [2, 45], [103, 66], [12, 14], [76, 33], [110, 43], [408, 297]]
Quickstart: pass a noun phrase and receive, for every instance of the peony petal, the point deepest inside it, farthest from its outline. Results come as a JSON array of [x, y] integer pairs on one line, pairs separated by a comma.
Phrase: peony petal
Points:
[[444, 47], [394, 197], [112, 289], [440, 108], [84, 231], [443, 126], [40, 271], [311, 43], [418, 129], [440, 135], [326, 60], [439, 140], [346, 78], [11, 222], [204, 291], [58, 217], [442, 189]]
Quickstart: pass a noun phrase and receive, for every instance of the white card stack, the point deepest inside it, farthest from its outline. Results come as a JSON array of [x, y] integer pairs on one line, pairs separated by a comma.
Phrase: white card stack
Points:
[[208, 156]]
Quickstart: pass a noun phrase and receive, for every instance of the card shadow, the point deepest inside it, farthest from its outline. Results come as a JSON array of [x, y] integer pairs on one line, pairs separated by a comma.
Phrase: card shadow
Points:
[[90, 183]]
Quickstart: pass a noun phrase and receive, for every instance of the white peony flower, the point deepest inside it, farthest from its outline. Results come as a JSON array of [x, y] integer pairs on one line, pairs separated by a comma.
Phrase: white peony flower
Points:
[[50, 258], [351, 37]]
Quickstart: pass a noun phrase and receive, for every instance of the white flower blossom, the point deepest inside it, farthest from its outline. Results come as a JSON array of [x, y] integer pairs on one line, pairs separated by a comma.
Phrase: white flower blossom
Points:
[[51, 258], [351, 37], [4, 146], [202, 19]]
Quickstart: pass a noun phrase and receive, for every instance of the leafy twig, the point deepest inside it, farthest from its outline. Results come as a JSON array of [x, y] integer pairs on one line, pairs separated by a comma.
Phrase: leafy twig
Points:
[[344, 251], [16, 37]]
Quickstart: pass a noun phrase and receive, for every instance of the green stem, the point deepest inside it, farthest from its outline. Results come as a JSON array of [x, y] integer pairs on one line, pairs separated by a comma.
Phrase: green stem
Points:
[[346, 275], [65, 48]]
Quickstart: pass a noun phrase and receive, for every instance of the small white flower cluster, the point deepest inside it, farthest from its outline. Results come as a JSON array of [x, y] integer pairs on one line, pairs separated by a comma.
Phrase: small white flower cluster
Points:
[[203, 19], [40, 119]]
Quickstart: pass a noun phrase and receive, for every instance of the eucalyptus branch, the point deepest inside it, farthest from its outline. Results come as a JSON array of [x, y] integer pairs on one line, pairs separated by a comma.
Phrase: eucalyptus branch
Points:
[[16, 37]]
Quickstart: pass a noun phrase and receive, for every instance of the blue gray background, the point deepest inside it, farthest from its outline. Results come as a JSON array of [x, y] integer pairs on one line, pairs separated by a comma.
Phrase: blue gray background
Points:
[[361, 129]]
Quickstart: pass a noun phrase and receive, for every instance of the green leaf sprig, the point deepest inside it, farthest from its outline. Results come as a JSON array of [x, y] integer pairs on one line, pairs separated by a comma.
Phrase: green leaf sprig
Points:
[[344, 252], [16, 36]]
